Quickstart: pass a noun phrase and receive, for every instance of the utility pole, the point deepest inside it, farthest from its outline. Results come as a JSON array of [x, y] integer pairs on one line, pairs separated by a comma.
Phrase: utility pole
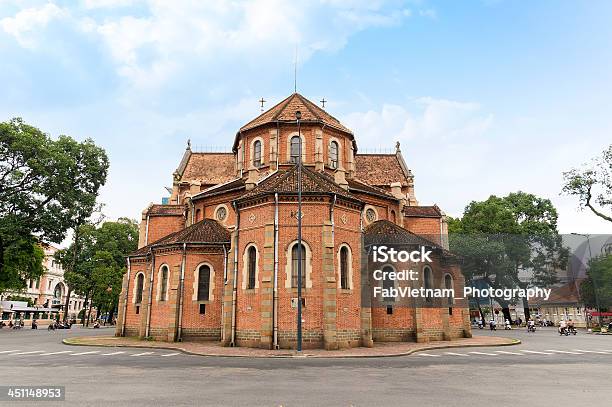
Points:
[[298, 116]]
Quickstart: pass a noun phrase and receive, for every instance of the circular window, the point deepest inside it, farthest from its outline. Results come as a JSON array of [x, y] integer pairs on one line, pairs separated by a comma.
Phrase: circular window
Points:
[[221, 213], [370, 215]]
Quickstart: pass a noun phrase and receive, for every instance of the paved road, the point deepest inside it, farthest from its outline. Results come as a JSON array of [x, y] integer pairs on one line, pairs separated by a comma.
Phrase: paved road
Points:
[[545, 369]]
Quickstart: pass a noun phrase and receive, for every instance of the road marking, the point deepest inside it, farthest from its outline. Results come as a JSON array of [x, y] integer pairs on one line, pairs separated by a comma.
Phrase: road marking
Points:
[[593, 351], [112, 353], [143, 354], [172, 354], [86, 353], [28, 353], [564, 351], [9, 351], [484, 353], [428, 354], [55, 353], [536, 352], [509, 353], [456, 354]]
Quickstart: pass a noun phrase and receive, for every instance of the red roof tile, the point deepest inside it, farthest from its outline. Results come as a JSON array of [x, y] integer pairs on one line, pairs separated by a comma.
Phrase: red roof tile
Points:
[[381, 169], [166, 210], [423, 211], [207, 168]]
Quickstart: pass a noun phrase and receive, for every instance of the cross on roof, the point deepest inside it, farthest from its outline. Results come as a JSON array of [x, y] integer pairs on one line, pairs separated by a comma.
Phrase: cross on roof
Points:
[[262, 101], [323, 102]]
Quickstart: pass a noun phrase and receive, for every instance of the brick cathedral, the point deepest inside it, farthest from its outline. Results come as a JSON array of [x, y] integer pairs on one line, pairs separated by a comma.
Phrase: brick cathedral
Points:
[[218, 261]]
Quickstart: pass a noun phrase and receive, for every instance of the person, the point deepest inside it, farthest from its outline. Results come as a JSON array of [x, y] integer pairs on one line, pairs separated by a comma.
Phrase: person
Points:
[[492, 324], [10, 325], [508, 326], [34, 324], [562, 326], [570, 325], [530, 325]]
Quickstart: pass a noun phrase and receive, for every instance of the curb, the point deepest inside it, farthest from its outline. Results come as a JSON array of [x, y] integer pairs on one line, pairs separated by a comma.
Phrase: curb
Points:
[[66, 341]]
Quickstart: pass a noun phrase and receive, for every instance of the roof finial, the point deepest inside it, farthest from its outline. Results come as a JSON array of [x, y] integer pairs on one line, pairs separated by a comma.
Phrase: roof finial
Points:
[[188, 144], [397, 147], [262, 101], [323, 102]]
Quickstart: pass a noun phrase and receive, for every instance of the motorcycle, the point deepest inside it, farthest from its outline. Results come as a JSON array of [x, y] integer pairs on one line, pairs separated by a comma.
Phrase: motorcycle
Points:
[[531, 328], [492, 326], [480, 325], [571, 330], [563, 331]]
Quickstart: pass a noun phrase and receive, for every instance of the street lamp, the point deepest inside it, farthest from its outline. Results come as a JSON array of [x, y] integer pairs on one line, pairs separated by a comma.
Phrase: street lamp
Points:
[[587, 236], [298, 117]]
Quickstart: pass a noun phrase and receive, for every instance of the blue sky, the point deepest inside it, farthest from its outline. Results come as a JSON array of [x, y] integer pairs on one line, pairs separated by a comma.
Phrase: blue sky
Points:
[[486, 96]]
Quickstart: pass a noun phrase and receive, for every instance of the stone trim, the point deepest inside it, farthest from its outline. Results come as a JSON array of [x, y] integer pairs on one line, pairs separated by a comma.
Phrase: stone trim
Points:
[[288, 264], [350, 267], [245, 266], [158, 292], [211, 285], [144, 280]]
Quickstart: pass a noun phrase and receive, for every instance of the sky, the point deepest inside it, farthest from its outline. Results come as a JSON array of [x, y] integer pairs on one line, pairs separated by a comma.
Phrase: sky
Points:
[[485, 96]]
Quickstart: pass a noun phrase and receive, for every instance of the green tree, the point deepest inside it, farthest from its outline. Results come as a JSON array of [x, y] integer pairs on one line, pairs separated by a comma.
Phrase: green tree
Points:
[[46, 188], [99, 264], [501, 239], [593, 185]]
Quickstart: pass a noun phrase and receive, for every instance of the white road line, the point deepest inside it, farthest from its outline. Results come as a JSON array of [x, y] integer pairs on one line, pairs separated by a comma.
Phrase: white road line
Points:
[[509, 353], [86, 353], [428, 354], [564, 352], [455, 354], [172, 354], [9, 351], [112, 353], [142, 354], [28, 353], [593, 351], [484, 353], [55, 353], [536, 352]]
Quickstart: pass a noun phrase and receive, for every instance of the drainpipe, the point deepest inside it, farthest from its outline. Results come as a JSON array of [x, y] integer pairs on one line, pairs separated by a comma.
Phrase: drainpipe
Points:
[[148, 325], [127, 293], [235, 288], [223, 333], [275, 292], [179, 327], [147, 231]]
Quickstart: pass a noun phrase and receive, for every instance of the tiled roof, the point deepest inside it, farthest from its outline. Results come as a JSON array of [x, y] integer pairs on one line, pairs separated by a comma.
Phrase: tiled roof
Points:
[[359, 186], [287, 181], [564, 294], [205, 231], [234, 185], [166, 210], [388, 233], [208, 168], [423, 211], [284, 111], [381, 169]]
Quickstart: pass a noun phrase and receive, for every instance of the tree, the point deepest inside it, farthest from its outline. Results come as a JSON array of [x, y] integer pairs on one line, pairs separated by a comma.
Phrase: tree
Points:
[[596, 290], [593, 185], [46, 187], [99, 264], [504, 239]]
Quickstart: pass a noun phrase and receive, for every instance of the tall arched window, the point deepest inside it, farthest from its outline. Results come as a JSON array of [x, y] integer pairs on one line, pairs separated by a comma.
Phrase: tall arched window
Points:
[[393, 219], [203, 283], [58, 292], [295, 149], [448, 284], [294, 265], [257, 154], [139, 287], [333, 154], [428, 281], [388, 283], [163, 281], [198, 215], [251, 271], [344, 268]]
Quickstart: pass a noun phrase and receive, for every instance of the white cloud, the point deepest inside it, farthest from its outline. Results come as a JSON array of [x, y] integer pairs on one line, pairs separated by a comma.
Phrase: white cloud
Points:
[[26, 24]]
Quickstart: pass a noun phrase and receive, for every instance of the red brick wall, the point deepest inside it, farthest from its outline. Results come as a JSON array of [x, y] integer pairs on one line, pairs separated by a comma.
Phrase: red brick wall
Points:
[[160, 226]]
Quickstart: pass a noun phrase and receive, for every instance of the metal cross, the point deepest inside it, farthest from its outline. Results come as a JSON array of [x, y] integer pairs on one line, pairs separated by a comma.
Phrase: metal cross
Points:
[[323, 102], [262, 101]]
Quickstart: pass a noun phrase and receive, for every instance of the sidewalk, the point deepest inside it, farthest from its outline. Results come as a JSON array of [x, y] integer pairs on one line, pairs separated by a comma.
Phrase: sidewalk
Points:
[[380, 349]]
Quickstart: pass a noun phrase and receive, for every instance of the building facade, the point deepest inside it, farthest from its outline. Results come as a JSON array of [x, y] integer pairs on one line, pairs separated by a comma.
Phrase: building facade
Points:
[[47, 294], [219, 261]]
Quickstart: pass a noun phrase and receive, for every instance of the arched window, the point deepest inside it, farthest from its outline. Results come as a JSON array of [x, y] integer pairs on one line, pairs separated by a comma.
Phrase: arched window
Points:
[[58, 291], [295, 149], [257, 154], [448, 284], [294, 265], [393, 216], [203, 282], [333, 154], [139, 287], [428, 281], [252, 259], [163, 281], [344, 268], [198, 215], [388, 283]]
